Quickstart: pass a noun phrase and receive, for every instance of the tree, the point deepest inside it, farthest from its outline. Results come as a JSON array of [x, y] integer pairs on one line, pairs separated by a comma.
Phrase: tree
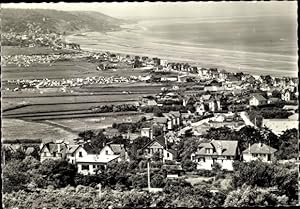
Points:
[[15, 177], [248, 196], [58, 173], [260, 174], [287, 141], [189, 165], [157, 181]]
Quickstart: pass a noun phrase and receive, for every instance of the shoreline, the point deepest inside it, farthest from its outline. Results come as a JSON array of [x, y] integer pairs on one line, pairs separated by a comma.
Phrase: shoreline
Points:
[[231, 61]]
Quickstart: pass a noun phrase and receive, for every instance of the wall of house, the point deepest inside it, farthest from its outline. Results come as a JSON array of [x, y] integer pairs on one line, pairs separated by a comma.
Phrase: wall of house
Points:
[[45, 154], [167, 155], [253, 102], [154, 148], [92, 167], [250, 157], [106, 151], [209, 161]]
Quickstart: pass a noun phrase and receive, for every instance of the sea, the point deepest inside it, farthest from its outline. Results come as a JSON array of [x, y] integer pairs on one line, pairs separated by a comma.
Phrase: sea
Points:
[[260, 45]]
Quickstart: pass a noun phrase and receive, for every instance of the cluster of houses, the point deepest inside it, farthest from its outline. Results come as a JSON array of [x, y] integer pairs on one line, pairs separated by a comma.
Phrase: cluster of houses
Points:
[[89, 161]]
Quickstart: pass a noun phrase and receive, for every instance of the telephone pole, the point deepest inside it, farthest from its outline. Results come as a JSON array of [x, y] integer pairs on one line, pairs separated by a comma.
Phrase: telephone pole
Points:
[[148, 166]]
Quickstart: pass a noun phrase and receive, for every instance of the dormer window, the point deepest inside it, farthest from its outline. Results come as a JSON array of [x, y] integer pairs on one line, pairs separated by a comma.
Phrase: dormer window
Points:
[[208, 151]]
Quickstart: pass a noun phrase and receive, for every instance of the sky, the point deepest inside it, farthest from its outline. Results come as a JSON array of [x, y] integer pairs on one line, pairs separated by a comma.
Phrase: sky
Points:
[[129, 10]]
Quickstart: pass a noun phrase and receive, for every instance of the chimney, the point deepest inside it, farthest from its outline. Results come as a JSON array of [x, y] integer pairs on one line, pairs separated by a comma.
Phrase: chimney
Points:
[[219, 149]]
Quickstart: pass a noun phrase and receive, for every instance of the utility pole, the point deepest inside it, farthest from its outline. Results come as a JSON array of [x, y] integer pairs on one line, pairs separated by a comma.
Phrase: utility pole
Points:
[[148, 166], [100, 193]]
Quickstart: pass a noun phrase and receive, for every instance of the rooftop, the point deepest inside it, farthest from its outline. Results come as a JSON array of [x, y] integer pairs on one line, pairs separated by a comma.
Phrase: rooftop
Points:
[[260, 148]]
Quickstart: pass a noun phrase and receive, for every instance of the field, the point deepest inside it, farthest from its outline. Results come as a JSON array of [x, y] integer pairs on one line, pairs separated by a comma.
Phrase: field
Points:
[[49, 113], [64, 69], [14, 50], [19, 129]]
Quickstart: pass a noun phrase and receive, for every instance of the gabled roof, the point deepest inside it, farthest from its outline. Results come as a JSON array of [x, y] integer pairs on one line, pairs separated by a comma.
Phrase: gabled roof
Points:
[[53, 147], [260, 148], [259, 97], [229, 147], [117, 148], [206, 97], [161, 120], [175, 113], [161, 141], [72, 148]]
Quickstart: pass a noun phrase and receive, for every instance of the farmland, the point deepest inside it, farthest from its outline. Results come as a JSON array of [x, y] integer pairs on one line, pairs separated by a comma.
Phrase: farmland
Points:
[[65, 111], [20, 129]]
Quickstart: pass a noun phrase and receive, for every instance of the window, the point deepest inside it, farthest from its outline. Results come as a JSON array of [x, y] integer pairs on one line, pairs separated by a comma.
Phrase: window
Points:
[[228, 157], [85, 167], [168, 154], [72, 161], [193, 157], [45, 154], [106, 152], [207, 150], [72, 155], [80, 154], [94, 166], [54, 154]]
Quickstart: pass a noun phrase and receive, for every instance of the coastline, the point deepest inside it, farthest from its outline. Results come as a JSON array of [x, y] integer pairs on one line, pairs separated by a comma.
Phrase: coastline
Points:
[[123, 42]]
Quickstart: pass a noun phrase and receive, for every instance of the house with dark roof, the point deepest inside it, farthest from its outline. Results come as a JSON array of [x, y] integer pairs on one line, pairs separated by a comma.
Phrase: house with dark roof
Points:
[[223, 152], [159, 145], [259, 151], [53, 150], [257, 99]]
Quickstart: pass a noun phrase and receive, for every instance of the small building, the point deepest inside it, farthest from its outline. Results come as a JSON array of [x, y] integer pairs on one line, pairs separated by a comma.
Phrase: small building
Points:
[[223, 152], [160, 146], [53, 150], [257, 99], [147, 132], [286, 95], [259, 151]]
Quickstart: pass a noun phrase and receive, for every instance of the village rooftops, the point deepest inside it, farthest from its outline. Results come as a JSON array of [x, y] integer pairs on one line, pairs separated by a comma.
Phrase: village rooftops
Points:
[[260, 148], [228, 148]]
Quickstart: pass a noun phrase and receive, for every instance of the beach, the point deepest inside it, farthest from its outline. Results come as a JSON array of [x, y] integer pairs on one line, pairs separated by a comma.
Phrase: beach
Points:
[[139, 39]]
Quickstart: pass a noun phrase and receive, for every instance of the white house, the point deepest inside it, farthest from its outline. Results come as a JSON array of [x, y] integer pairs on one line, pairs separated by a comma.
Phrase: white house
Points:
[[147, 132], [89, 160], [257, 99], [286, 95], [217, 151], [160, 146], [259, 151]]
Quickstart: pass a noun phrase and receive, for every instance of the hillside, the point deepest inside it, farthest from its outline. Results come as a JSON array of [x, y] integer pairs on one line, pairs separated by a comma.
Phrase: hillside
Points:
[[17, 20]]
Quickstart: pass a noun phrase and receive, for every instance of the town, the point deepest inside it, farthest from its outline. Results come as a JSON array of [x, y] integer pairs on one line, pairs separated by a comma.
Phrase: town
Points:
[[182, 135]]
